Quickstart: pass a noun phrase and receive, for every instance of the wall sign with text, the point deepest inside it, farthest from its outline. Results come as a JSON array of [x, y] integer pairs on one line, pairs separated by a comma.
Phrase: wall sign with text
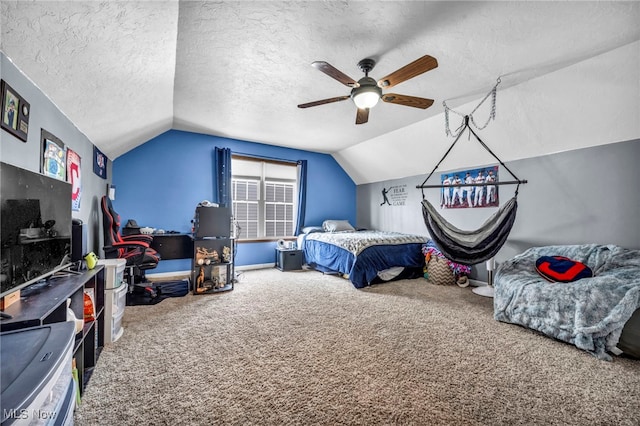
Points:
[[395, 195]]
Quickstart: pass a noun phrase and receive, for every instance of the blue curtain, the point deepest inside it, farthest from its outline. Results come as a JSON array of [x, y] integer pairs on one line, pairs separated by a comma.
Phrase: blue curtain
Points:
[[302, 195], [223, 176]]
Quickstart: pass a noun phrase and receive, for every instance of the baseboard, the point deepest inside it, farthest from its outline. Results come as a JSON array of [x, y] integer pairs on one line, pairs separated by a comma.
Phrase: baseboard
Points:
[[174, 274], [187, 274], [477, 283], [256, 266]]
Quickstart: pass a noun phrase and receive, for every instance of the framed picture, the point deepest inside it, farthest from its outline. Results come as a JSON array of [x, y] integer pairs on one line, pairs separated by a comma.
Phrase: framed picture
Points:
[[470, 196], [15, 112], [54, 156], [74, 178], [99, 163]]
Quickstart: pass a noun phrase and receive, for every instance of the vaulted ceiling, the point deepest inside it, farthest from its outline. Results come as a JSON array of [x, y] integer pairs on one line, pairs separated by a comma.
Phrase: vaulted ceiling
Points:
[[126, 71]]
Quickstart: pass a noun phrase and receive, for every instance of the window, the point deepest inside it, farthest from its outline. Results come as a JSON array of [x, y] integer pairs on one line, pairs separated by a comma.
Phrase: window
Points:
[[264, 197], [246, 198]]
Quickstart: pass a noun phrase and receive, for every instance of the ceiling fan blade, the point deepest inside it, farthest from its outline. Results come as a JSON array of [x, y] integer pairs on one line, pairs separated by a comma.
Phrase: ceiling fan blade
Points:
[[324, 101], [411, 70], [362, 116], [405, 100], [334, 73]]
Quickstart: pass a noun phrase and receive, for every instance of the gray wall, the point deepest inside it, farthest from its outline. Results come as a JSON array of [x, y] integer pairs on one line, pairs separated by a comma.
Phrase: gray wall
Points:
[[581, 196], [46, 115]]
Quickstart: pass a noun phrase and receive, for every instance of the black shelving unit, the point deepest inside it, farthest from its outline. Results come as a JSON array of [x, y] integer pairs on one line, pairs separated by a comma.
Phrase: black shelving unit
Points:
[[48, 305], [213, 251]]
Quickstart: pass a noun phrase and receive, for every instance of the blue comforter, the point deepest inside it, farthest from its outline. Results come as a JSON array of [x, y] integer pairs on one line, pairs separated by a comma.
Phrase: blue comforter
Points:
[[362, 254], [589, 313]]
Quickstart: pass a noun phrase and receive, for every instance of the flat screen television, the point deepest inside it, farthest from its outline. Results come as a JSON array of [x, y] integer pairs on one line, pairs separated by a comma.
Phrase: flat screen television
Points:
[[35, 227]]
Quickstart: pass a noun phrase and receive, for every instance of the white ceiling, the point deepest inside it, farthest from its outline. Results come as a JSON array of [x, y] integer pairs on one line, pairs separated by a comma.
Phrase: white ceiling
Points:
[[126, 71]]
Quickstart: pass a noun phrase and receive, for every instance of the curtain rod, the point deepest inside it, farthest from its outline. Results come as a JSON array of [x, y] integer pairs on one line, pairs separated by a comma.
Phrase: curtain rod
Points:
[[262, 157]]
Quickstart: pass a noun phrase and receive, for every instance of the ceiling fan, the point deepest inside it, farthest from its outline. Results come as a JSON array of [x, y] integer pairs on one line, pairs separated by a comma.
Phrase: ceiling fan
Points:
[[366, 92]]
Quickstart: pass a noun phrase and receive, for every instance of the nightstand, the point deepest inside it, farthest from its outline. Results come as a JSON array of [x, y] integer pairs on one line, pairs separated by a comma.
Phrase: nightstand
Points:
[[289, 259]]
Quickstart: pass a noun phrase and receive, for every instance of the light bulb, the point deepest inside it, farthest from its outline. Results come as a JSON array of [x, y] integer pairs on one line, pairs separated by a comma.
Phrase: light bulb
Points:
[[366, 99]]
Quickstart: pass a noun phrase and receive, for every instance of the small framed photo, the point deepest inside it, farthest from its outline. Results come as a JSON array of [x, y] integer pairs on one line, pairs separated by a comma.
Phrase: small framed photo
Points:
[[54, 156], [15, 112]]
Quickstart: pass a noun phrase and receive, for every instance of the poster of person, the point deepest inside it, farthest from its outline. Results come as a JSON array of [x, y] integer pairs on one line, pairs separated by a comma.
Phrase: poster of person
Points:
[[73, 177], [15, 112], [54, 164], [469, 188], [10, 115]]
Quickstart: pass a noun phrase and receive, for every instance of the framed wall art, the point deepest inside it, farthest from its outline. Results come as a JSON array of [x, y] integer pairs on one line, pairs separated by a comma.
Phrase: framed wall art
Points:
[[15, 112], [74, 178], [54, 156], [473, 194], [99, 163]]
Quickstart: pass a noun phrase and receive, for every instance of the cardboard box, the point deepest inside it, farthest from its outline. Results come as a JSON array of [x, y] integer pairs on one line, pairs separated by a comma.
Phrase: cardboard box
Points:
[[9, 299]]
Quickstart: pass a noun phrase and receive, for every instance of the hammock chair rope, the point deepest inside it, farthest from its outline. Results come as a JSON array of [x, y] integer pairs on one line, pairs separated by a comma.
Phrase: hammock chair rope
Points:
[[471, 247], [465, 127], [492, 115]]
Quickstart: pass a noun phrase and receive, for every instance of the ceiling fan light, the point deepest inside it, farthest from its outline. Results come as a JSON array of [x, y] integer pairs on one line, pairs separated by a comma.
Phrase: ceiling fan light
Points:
[[367, 98]]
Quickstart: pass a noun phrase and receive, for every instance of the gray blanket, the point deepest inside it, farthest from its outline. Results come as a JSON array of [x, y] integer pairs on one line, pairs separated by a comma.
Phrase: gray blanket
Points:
[[589, 313]]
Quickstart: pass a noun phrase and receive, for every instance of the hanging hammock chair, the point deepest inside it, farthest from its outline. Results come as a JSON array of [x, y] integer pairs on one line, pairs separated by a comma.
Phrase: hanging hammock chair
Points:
[[482, 244], [470, 247]]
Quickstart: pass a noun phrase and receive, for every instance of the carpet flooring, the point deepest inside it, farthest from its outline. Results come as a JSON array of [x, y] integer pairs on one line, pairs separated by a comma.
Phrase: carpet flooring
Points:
[[303, 348]]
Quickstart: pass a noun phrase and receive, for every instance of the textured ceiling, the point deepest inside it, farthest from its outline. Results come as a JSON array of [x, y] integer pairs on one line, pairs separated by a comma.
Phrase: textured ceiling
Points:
[[126, 71]]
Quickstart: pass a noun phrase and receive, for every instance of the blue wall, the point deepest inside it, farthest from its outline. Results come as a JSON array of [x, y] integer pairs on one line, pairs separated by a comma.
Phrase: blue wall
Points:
[[160, 183]]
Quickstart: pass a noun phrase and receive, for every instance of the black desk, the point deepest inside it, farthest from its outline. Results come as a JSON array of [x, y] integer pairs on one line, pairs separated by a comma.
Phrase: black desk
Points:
[[173, 246]]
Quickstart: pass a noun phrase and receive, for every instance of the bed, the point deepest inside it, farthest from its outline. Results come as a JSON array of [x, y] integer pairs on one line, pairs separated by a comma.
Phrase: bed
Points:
[[365, 256], [598, 314]]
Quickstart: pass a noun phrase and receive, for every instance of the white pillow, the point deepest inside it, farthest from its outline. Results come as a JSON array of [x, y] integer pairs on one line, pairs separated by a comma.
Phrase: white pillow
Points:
[[337, 225], [312, 229]]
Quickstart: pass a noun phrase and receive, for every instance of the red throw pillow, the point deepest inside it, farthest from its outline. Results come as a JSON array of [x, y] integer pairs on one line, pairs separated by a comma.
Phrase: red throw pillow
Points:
[[562, 269]]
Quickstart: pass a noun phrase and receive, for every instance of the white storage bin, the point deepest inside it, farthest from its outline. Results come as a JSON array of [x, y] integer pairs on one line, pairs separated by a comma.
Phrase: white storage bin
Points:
[[116, 327], [114, 268], [119, 300], [115, 298]]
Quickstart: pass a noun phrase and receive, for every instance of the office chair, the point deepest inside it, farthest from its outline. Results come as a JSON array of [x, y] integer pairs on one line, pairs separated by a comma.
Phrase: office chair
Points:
[[133, 248]]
